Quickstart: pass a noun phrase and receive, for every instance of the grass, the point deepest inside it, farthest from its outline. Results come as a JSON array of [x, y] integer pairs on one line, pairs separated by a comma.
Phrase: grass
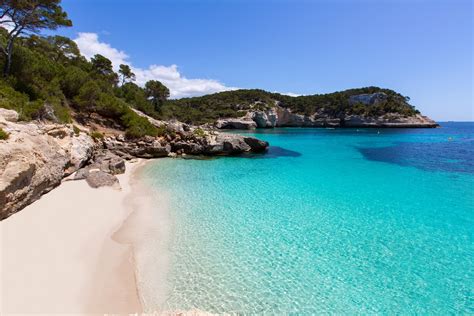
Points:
[[96, 135], [3, 135], [76, 130]]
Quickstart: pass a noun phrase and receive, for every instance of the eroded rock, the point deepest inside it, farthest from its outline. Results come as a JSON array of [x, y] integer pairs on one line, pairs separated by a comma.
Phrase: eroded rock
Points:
[[98, 178], [33, 162]]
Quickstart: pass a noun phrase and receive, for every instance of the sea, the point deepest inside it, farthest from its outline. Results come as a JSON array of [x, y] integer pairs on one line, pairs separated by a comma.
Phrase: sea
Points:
[[340, 221]]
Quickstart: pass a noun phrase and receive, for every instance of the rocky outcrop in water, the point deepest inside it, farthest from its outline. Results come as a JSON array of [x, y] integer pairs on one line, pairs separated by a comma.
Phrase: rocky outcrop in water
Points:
[[278, 116], [236, 123], [389, 120]]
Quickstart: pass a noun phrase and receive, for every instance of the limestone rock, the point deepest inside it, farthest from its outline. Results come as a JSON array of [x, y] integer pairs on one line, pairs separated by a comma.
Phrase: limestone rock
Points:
[[9, 115], [256, 145], [38, 156], [32, 162], [235, 123], [393, 120], [265, 119], [98, 178], [278, 116], [368, 98], [137, 148]]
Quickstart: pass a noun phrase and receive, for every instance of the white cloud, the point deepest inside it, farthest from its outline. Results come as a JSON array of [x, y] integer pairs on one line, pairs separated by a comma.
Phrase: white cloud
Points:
[[89, 45], [291, 94], [170, 76]]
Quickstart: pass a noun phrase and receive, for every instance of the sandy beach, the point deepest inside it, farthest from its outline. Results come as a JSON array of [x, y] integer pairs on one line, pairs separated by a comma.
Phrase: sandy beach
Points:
[[70, 252]]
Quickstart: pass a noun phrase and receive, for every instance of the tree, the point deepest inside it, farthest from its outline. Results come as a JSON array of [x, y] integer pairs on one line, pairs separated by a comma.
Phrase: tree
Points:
[[64, 48], [157, 93], [88, 98], [103, 66], [28, 16], [126, 72]]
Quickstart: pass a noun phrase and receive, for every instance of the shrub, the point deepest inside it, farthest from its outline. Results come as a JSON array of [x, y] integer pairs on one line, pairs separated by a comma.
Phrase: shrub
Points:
[[199, 132], [61, 111], [76, 130], [72, 81], [31, 110], [137, 126], [3, 135], [88, 97], [96, 135]]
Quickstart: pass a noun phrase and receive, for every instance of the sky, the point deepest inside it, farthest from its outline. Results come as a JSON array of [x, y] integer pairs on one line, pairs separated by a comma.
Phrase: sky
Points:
[[422, 49]]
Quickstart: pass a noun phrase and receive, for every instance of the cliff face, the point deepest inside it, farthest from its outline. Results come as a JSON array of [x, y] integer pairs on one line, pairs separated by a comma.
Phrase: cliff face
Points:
[[278, 116], [37, 156]]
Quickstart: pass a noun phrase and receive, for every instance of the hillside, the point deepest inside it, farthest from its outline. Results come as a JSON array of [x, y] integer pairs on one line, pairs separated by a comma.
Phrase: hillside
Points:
[[367, 105]]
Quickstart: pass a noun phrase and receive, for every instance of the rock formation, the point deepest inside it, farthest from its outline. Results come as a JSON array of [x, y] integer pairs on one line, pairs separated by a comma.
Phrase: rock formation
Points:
[[37, 156], [278, 116], [34, 160]]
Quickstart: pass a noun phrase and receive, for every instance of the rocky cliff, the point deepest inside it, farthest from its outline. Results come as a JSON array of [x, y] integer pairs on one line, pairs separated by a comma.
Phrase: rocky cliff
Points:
[[37, 156], [248, 109], [278, 116]]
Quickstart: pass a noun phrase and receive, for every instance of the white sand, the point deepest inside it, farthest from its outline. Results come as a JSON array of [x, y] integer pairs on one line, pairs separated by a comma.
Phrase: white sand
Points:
[[69, 252]]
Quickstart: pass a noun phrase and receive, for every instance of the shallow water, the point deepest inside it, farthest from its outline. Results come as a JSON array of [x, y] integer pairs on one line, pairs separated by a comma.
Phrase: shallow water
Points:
[[337, 221]]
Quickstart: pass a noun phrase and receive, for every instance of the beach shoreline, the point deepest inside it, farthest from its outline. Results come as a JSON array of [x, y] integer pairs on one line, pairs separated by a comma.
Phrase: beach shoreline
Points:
[[72, 251]]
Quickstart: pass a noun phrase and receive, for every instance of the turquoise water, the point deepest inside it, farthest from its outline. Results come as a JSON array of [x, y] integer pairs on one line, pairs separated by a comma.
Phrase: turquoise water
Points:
[[329, 221]]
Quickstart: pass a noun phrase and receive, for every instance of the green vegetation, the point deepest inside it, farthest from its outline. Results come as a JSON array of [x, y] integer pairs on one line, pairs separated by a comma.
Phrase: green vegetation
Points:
[[96, 135], [208, 108], [27, 17], [76, 130], [199, 132], [157, 92], [47, 78], [3, 135]]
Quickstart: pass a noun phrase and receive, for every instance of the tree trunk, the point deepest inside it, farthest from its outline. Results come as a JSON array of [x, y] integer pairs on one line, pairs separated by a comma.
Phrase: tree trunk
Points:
[[8, 61], [7, 66]]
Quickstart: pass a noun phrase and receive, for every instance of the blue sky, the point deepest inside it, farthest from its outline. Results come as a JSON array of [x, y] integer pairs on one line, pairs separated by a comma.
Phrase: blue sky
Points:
[[423, 49]]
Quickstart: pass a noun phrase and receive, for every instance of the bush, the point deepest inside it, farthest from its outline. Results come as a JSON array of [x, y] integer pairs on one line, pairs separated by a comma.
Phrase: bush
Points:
[[3, 135], [88, 97], [199, 132], [137, 126], [76, 130], [72, 81], [96, 135], [61, 111]]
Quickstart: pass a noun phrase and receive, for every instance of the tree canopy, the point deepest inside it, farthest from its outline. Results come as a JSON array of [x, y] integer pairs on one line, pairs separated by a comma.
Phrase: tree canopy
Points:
[[28, 16], [157, 92], [126, 73]]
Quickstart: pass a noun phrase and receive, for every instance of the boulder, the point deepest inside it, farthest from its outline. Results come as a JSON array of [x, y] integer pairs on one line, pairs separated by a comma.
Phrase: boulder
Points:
[[9, 115], [236, 123], [117, 165], [81, 151], [226, 144], [97, 178], [142, 148], [256, 145], [187, 147]]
